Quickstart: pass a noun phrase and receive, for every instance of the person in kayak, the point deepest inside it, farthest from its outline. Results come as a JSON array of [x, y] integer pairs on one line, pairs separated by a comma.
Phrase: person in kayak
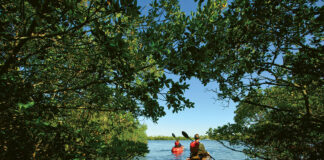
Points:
[[197, 149], [177, 144]]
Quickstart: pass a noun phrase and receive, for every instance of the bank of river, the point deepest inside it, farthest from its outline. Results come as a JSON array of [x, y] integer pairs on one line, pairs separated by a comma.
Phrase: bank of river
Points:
[[161, 150]]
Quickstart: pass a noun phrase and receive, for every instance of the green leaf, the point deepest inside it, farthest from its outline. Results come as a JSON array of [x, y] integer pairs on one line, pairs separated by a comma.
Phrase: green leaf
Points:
[[26, 106]]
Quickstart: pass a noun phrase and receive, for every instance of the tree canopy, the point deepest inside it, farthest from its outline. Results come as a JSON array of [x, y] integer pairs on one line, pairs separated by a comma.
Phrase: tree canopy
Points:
[[267, 56], [62, 62], [71, 71]]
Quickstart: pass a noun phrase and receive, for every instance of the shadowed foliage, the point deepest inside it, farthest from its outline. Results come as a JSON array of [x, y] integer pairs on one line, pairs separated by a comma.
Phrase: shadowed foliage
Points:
[[74, 78], [266, 56]]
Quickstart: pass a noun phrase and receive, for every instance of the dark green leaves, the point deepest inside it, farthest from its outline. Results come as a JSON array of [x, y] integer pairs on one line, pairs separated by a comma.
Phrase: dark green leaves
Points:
[[267, 56], [62, 62]]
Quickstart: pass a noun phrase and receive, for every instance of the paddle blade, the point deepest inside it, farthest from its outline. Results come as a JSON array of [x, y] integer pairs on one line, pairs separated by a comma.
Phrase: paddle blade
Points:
[[173, 135], [185, 134]]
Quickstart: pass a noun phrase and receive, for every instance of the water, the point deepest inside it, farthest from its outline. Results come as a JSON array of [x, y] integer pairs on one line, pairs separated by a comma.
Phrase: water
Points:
[[161, 150]]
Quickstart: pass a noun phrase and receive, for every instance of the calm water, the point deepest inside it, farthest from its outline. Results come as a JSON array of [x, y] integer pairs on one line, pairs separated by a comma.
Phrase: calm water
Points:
[[161, 150]]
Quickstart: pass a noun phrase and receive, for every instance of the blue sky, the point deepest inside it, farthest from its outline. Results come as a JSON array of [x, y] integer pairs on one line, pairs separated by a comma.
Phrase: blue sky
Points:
[[208, 112]]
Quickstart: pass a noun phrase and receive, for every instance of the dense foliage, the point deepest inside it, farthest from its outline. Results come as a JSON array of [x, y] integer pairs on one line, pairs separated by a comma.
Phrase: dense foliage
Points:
[[271, 133], [75, 74], [62, 63], [267, 56]]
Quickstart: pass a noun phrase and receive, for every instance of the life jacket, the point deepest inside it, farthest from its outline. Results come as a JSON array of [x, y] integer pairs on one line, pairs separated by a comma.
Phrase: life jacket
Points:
[[194, 148], [176, 144]]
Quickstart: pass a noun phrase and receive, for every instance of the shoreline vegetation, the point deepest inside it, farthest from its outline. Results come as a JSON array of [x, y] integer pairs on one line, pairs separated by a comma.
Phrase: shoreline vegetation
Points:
[[172, 138]]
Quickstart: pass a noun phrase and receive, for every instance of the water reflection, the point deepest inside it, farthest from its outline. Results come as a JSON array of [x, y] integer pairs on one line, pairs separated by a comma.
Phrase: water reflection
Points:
[[177, 155]]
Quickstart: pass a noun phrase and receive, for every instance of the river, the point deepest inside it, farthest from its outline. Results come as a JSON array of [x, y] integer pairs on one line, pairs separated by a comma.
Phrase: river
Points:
[[161, 150]]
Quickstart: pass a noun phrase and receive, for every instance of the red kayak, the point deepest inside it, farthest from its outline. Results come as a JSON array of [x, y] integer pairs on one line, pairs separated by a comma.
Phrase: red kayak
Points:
[[177, 150]]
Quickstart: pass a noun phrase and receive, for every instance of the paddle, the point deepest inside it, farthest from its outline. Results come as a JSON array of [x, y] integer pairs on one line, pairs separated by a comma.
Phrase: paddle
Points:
[[173, 135], [187, 136]]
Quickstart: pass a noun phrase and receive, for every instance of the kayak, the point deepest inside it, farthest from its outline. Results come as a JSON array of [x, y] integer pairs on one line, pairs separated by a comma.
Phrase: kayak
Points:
[[177, 150]]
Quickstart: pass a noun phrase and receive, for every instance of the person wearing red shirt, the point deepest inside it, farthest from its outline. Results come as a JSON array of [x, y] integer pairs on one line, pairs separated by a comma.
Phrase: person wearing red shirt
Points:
[[197, 149], [177, 144]]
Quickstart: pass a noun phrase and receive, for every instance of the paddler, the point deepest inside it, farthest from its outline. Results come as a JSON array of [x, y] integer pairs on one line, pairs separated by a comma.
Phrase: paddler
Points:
[[197, 149], [177, 144]]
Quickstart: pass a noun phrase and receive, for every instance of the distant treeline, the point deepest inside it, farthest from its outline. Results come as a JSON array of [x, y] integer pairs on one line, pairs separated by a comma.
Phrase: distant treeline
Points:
[[172, 138]]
